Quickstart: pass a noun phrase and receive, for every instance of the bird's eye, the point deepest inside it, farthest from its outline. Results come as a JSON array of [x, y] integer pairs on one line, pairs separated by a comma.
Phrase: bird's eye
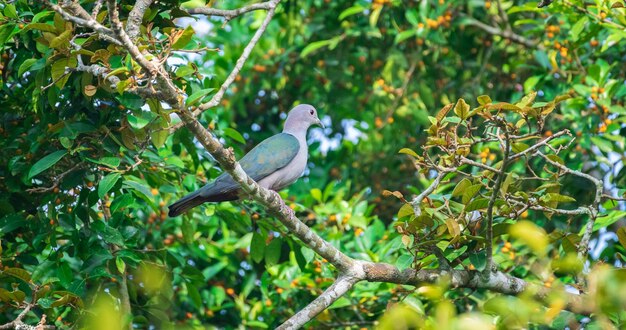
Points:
[[312, 112]]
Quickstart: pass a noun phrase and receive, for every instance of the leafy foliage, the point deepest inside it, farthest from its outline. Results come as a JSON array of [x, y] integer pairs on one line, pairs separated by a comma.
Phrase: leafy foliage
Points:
[[92, 158]]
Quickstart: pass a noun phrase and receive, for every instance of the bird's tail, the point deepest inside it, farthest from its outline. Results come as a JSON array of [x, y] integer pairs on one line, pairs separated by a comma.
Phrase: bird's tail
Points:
[[186, 203]]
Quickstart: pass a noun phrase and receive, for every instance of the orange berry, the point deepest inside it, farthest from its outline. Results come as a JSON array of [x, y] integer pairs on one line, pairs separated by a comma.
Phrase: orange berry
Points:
[[154, 191], [188, 315], [230, 291], [594, 43], [279, 290]]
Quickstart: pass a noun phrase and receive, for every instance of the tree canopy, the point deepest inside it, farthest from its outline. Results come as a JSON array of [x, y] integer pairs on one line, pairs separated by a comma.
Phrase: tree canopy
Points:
[[470, 175]]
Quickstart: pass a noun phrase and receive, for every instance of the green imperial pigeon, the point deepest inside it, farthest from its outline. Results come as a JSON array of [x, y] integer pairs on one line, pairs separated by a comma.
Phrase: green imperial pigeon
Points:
[[275, 163]]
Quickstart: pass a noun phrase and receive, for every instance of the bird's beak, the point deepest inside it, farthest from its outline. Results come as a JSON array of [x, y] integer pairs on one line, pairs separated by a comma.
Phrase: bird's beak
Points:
[[319, 122]]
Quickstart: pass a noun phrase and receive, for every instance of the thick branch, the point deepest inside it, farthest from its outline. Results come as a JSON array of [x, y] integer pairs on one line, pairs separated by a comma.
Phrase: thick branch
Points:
[[217, 98], [135, 17], [495, 282], [232, 13], [128, 44], [89, 22]]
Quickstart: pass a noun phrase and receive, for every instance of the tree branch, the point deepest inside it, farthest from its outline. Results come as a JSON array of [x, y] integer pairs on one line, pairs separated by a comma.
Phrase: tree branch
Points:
[[494, 195], [217, 98], [229, 14], [342, 285], [135, 17], [103, 32], [583, 247], [133, 50], [418, 199], [505, 34]]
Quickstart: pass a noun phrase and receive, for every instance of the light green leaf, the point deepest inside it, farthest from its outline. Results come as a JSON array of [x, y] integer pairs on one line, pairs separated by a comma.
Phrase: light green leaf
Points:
[[25, 66], [182, 40], [351, 11], [197, 96], [257, 247], [233, 134], [314, 46]]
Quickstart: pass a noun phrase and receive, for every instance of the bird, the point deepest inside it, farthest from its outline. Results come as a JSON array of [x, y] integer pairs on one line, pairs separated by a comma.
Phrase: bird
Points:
[[274, 164]]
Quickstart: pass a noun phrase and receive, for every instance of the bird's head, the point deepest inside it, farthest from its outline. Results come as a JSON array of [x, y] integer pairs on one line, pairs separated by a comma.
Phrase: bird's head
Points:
[[301, 118]]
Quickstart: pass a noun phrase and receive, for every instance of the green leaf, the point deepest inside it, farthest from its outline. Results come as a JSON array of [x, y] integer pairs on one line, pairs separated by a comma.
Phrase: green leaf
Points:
[[461, 187], [41, 27], [65, 274], [62, 41], [182, 40], [316, 193], [470, 192], [25, 66], [46, 162], [404, 261], [602, 144], [112, 162], [554, 197], [138, 122], [351, 11], [107, 183], [10, 11], [314, 46], [233, 134], [400, 37], [272, 251], [374, 15], [197, 96], [479, 260], [121, 265], [58, 70], [621, 236], [409, 152], [484, 100], [188, 230], [18, 273], [257, 247], [406, 210], [461, 109]]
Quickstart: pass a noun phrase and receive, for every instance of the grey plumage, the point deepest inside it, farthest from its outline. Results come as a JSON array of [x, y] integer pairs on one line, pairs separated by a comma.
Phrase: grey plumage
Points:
[[274, 163]]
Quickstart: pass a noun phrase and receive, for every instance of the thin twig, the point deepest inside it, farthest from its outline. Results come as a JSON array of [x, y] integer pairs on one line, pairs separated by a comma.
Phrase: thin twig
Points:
[[217, 98], [494, 195]]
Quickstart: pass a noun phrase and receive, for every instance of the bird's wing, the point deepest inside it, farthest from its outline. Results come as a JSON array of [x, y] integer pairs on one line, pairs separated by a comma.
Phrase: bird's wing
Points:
[[266, 158], [270, 155]]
